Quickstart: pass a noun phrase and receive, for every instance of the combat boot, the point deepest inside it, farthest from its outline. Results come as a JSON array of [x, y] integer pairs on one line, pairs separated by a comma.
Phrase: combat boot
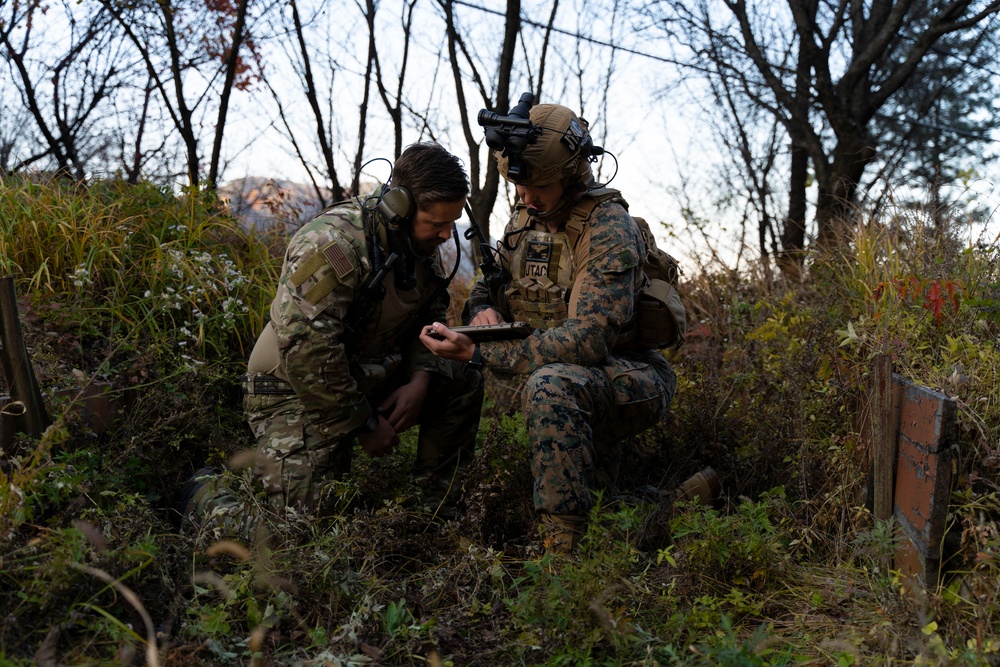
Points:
[[439, 490], [561, 533], [702, 487], [192, 494]]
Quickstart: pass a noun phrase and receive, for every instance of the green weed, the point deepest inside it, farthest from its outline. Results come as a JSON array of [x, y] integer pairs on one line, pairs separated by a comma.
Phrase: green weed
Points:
[[161, 296]]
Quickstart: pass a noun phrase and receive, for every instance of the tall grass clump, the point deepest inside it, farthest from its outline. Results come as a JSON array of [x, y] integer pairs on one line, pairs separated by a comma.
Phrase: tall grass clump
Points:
[[775, 381], [133, 263], [929, 296], [157, 299], [930, 299]]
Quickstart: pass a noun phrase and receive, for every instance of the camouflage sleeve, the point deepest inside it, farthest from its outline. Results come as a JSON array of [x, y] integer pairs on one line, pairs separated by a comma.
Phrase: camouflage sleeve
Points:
[[319, 281], [601, 303]]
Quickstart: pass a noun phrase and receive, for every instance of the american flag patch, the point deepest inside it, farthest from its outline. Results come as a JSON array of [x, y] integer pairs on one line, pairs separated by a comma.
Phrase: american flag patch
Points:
[[338, 260]]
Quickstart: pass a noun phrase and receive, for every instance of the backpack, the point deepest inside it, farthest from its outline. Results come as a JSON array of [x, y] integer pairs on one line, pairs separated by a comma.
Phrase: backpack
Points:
[[661, 321]]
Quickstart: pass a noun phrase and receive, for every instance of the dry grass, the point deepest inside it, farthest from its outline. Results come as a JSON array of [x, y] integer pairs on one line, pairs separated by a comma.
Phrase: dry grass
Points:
[[787, 569]]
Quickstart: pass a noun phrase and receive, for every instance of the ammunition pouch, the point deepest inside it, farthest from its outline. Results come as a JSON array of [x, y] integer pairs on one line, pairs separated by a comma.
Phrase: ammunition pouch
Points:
[[537, 301]]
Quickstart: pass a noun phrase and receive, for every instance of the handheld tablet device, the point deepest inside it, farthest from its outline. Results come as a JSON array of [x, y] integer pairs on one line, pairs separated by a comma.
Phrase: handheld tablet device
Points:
[[483, 333]]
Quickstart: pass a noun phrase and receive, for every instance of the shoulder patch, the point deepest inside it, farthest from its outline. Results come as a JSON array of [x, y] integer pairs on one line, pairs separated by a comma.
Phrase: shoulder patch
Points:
[[323, 270], [337, 259], [617, 261]]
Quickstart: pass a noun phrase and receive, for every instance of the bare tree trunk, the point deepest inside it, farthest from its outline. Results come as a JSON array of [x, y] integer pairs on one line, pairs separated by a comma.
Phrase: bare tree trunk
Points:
[[483, 205], [185, 115], [793, 232], [396, 110], [312, 97], [836, 203], [134, 167], [369, 13], [179, 115], [545, 49], [483, 190], [31, 99], [227, 89]]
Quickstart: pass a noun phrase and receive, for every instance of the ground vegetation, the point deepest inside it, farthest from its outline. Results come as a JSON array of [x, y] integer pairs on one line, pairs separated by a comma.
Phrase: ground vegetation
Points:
[[158, 298]]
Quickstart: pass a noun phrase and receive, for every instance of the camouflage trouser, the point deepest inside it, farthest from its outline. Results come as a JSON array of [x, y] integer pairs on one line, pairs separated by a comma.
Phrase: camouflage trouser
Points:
[[577, 418], [296, 464], [223, 505]]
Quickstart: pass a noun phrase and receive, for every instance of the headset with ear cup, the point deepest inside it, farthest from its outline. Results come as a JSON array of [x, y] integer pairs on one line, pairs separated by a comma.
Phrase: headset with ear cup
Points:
[[397, 207]]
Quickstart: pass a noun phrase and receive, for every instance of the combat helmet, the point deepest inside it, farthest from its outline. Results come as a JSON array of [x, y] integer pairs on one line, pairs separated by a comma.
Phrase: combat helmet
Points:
[[560, 152]]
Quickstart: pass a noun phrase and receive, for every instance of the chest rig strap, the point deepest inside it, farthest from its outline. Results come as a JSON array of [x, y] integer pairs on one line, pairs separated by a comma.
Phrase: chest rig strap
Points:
[[544, 268], [581, 213]]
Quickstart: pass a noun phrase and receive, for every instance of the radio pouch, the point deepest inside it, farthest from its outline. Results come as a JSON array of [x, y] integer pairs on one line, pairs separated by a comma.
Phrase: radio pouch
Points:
[[661, 321]]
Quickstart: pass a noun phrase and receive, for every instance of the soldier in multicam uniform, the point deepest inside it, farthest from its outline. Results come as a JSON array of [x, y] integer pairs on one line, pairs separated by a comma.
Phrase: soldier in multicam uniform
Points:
[[575, 257], [340, 361]]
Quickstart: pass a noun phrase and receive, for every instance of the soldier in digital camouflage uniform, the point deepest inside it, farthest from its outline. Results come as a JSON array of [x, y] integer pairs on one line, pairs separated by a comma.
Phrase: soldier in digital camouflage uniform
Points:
[[575, 257], [335, 367]]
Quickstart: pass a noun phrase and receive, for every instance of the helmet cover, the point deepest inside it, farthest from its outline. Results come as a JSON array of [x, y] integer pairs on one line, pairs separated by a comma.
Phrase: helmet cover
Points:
[[561, 150]]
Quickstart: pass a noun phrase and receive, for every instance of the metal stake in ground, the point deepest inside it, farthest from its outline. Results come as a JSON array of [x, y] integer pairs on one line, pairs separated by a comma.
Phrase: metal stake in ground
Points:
[[17, 367]]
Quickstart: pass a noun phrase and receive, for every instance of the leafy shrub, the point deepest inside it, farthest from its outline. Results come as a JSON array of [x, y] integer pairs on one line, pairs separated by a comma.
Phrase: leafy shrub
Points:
[[162, 296]]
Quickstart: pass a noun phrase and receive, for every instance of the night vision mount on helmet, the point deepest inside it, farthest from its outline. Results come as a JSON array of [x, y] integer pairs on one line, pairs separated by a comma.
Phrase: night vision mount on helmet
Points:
[[511, 134], [538, 145]]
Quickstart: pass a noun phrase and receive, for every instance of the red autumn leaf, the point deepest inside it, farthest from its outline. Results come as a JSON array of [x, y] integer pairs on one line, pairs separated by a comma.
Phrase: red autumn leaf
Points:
[[934, 301]]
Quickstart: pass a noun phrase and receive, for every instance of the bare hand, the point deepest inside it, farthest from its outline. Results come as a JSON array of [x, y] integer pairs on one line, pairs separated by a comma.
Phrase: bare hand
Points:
[[402, 407], [456, 346], [488, 316], [381, 441]]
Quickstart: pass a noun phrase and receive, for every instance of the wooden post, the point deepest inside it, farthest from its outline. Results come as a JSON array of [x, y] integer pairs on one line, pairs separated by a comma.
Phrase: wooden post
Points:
[[17, 364], [926, 442], [883, 436]]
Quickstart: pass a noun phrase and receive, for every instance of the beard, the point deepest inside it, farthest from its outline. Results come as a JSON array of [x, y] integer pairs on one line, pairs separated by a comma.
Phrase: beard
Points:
[[426, 248]]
